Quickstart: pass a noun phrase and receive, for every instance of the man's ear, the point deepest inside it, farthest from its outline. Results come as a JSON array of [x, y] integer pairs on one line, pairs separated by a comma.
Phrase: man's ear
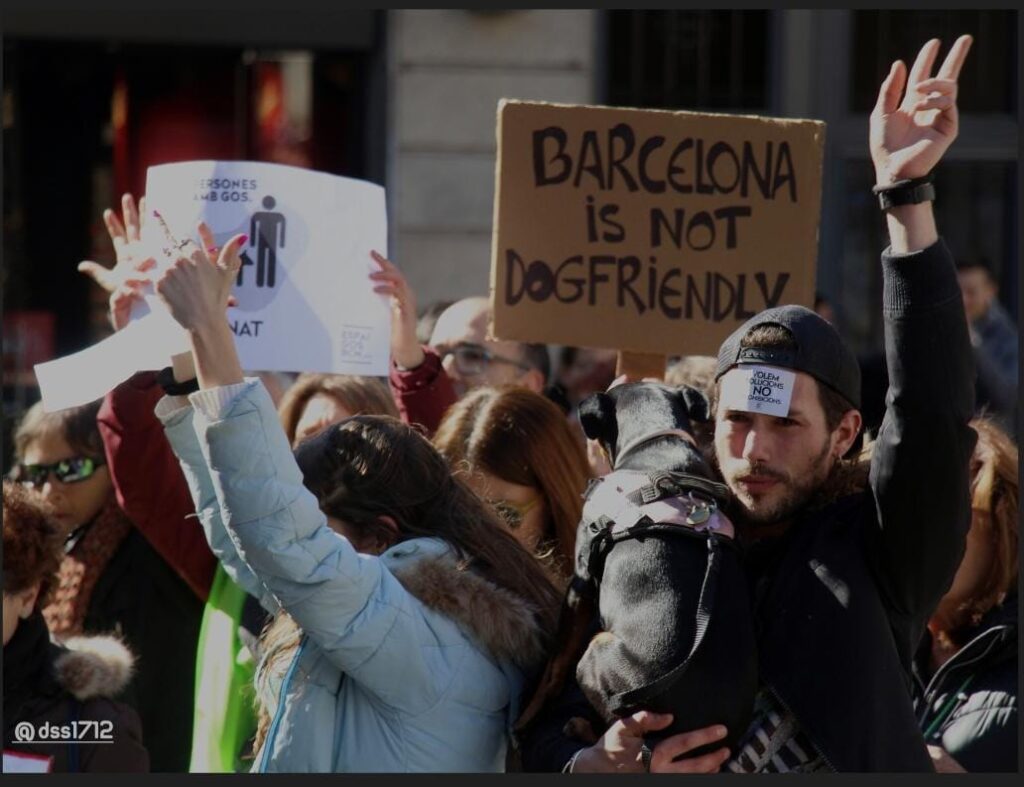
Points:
[[845, 434], [597, 417], [696, 404], [533, 380]]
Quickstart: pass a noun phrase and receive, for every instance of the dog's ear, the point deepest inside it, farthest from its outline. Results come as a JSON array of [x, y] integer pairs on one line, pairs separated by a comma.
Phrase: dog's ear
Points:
[[597, 417], [696, 404]]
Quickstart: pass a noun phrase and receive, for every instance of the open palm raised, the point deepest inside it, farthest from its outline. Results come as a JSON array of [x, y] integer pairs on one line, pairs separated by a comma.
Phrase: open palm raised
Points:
[[909, 137], [126, 237]]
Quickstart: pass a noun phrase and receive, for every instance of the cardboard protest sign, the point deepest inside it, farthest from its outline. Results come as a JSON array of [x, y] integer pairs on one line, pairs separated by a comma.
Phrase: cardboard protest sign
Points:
[[304, 299], [646, 230]]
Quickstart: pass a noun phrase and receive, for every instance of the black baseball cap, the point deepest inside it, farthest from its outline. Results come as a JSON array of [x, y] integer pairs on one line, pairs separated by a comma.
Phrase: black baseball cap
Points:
[[820, 351]]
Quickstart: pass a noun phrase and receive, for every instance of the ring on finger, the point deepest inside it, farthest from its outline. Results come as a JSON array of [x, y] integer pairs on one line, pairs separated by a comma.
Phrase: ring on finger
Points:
[[645, 757]]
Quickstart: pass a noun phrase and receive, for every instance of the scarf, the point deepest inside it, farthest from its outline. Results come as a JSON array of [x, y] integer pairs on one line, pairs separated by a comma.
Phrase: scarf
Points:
[[82, 567]]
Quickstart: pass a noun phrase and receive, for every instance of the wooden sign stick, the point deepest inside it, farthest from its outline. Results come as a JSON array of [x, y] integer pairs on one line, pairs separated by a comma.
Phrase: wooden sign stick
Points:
[[637, 366]]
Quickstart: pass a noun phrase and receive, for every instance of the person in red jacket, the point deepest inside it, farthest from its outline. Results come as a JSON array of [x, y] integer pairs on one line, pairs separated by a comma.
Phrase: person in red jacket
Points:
[[144, 473], [147, 479], [427, 379]]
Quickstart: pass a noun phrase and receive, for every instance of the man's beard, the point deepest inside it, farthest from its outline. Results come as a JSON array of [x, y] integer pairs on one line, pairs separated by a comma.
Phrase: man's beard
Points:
[[751, 514]]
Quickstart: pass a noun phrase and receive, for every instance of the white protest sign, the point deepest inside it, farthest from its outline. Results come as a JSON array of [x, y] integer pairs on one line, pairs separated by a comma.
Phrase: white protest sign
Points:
[[758, 389], [305, 301], [146, 343], [22, 762]]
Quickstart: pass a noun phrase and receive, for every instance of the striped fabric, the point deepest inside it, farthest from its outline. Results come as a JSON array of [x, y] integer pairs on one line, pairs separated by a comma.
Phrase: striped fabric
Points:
[[774, 743]]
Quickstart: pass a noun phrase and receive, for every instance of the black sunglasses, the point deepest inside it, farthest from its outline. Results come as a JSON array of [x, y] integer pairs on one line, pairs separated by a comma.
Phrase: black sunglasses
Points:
[[67, 471]]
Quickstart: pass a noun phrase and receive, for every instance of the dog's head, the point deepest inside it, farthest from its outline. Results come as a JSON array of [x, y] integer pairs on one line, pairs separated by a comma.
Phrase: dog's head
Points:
[[627, 413]]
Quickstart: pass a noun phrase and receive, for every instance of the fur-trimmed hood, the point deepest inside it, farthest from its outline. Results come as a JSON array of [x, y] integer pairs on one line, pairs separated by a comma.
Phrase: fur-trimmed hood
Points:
[[504, 624], [94, 666]]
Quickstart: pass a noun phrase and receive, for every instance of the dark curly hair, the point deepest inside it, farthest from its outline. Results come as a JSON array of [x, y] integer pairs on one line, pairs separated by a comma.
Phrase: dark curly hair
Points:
[[32, 542]]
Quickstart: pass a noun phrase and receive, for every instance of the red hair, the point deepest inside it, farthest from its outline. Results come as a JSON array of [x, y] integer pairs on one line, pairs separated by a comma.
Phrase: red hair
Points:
[[522, 438]]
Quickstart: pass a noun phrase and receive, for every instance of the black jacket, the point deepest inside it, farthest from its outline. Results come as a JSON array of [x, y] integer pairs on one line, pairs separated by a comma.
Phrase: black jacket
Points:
[[842, 600], [54, 685], [142, 599], [969, 705]]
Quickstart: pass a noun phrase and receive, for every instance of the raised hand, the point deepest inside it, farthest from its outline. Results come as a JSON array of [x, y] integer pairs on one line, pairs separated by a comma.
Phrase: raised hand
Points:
[[126, 279], [126, 237], [123, 298], [195, 288], [909, 136], [405, 348]]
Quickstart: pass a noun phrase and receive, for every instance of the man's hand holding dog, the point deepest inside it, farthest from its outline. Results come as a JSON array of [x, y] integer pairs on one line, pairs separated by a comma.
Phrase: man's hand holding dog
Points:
[[620, 749]]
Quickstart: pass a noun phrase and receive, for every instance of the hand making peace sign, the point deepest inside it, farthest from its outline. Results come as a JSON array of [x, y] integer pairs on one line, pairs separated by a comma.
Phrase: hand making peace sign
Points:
[[909, 137]]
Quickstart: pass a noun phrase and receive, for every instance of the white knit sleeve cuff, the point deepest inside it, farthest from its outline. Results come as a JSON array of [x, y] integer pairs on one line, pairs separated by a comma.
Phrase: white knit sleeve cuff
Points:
[[167, 406], [215, 402]]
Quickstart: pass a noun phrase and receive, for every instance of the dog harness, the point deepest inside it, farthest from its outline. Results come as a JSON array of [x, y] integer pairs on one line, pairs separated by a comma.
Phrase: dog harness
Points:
[[628, 504]]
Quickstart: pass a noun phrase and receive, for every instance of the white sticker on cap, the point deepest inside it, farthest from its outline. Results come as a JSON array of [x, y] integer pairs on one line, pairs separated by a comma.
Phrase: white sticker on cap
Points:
[[758, 389]]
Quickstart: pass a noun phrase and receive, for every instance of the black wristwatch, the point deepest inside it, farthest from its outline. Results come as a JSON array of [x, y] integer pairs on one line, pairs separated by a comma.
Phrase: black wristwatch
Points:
[[165, 378], [905, 192]]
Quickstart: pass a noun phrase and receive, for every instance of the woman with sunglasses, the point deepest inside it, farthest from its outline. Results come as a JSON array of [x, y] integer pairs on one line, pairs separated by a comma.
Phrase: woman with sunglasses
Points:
[[405, 616], [46, 683], [111, 580], [517, 451]]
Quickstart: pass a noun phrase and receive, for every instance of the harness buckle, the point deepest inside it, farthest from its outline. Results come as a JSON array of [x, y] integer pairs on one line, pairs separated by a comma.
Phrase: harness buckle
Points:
[[700, 509], [658, 486], [698, 515]]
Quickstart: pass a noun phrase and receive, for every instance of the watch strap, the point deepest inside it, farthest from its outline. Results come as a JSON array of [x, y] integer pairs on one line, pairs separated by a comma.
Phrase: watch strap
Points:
[[165, 378], [910, 191]]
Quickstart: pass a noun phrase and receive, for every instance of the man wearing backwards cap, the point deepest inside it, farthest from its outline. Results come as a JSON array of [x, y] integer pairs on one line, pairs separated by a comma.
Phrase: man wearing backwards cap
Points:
[[844, 571]]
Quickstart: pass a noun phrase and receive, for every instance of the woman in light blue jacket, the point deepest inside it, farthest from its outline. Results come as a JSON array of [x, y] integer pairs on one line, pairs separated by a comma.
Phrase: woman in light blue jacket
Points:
[[406, 616]]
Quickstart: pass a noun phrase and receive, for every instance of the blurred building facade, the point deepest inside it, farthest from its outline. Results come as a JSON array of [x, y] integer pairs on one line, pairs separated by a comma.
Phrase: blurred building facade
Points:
[[408, 99]]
